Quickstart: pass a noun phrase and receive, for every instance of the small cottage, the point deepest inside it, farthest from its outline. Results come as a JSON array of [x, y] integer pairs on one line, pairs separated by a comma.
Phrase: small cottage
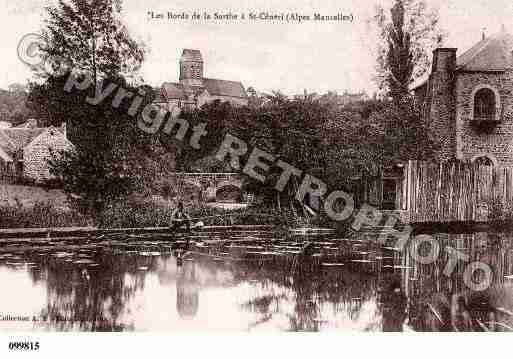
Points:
[[26, 149]]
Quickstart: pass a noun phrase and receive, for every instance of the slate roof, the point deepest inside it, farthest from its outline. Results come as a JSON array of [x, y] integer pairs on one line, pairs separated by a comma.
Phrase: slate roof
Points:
[[491, 54], [494, 53], [214, 87], [192, 55], [14, 140], [225, 88], [172, 90]]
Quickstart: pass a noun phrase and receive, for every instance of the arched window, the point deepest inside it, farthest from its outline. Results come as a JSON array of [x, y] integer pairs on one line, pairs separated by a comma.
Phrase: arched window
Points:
[[484, 161], [484, 105]]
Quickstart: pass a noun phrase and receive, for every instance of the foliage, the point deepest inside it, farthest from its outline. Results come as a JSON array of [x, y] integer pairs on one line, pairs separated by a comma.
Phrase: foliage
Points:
[[399, 59], [110, 156], [130, 214], [422, 23], [41, 215], [13, 108], [90, 37], [320, 138]]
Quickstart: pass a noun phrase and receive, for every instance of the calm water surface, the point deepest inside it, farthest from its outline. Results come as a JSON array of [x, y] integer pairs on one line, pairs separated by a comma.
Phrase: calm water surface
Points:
[[254, 282]]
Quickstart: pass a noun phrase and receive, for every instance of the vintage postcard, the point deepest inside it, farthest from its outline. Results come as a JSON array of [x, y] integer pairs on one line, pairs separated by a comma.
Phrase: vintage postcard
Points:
[[255, 166]]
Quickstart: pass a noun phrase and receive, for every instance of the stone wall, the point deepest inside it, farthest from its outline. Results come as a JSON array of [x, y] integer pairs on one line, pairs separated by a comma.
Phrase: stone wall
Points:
[[37, 154], [494, 141], [442, 102]]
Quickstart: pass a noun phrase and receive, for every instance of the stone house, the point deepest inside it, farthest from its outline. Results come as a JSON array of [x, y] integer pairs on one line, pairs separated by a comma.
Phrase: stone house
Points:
[[468, 101], [194, 90], [26, 149]]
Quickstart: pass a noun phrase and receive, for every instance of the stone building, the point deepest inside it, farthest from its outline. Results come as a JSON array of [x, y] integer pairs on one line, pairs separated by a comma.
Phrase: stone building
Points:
[[194, 90], [26, 149], [468, 101]]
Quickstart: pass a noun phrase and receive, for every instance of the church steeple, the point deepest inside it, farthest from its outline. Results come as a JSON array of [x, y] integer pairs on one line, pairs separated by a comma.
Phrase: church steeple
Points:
[[191, 68]]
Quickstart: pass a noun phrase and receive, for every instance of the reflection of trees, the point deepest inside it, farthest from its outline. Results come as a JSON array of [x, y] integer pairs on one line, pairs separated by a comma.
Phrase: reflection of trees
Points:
[[90, 297], [392, 304], [187, 290], [310, 287], [444, 303]]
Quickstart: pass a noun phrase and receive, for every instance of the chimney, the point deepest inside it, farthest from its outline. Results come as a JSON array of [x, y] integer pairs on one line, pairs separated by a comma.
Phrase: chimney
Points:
[[444, 59], [442, 102]]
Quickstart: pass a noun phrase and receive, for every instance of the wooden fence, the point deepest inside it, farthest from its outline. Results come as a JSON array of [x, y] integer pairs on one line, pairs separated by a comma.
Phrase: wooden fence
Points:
[[454, 191]]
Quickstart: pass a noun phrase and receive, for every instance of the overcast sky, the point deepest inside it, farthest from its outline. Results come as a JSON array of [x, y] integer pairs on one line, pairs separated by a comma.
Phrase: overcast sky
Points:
[[289, 57]]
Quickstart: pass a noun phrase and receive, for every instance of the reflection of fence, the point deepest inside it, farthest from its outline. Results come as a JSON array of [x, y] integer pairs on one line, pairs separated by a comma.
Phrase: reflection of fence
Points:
[[454, 191]]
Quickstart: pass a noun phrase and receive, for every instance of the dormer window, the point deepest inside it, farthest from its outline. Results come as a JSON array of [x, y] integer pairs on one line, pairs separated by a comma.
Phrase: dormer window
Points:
[[485, 107]]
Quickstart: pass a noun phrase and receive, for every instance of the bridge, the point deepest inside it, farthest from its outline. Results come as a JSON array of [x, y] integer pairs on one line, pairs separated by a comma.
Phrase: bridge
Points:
[[211, 186]]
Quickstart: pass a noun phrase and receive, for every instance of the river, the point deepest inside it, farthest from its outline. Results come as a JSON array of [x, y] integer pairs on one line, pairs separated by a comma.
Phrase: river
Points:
[[252, 281]]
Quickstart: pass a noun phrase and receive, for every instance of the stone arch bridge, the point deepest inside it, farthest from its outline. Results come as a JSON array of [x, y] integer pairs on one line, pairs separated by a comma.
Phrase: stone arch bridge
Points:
[[212, 186]]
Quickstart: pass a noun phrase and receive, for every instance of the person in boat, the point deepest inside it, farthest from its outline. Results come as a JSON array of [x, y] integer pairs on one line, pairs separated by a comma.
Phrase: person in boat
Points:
[[180, 218]]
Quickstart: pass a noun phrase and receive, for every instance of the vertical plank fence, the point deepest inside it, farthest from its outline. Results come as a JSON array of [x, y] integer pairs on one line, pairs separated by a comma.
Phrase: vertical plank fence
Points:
[[457, 191]]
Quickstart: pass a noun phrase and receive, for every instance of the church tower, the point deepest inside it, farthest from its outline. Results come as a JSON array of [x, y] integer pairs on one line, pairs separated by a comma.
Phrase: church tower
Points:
[[191, 68]]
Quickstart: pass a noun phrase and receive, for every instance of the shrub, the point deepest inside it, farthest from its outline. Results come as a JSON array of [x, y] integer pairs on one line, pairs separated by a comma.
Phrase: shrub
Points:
[[41, 215]]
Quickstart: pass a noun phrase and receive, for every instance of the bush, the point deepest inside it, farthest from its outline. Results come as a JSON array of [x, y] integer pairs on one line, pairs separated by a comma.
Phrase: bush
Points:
[[150, 214], [41, 215]]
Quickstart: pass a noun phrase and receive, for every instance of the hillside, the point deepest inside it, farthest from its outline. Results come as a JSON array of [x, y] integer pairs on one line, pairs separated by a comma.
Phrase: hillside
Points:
[[13, 107]]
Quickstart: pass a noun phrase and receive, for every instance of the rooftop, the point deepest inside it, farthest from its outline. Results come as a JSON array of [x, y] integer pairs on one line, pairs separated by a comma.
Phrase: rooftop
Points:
[[192, 55]]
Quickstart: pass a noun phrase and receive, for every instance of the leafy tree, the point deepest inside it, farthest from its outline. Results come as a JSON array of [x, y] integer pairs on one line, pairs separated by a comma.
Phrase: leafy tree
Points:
[[112, 156], [399, 59], [334, 143], [13, 106], [421, 23], [90, 36]]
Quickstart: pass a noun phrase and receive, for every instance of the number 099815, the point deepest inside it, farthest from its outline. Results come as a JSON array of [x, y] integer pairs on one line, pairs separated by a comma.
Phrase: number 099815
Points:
[[24, 346]]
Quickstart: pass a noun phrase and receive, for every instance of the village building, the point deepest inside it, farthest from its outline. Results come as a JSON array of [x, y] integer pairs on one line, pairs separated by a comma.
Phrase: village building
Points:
[[194, 90], [26, 149], [468, 101]]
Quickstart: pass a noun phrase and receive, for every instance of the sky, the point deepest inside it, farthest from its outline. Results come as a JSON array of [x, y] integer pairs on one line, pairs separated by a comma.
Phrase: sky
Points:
[[289, 57]]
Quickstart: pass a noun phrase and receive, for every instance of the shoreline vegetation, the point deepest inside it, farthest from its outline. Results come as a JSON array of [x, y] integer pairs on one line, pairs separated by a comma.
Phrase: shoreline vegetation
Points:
[[126, 214]]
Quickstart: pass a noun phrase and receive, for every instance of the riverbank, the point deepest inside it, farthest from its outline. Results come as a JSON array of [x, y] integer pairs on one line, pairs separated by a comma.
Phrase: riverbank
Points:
[[55, 234], [148, 215]]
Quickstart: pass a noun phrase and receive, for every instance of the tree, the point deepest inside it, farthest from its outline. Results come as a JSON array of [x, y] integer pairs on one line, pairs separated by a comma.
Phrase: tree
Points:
[[89, 36], [399, 60], [13, 107], [111, 154], [422, 25]]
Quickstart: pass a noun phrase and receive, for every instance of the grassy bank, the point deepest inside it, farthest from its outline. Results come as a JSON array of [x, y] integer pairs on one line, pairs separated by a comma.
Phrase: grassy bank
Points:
[[154, 215], [39, 215], [145, 214], [28, 196], [151, 214]]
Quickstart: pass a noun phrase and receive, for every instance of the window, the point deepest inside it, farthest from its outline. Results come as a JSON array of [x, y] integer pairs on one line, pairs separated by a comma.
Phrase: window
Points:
[[485, 105], [484, 161], [389, 194]]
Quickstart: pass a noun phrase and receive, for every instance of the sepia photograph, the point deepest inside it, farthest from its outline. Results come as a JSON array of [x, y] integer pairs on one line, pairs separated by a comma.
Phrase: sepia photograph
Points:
[[255, 167]]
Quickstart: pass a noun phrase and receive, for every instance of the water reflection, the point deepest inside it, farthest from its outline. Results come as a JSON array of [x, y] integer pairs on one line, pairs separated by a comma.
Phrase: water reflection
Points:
[[187, 290], [261, 283]]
